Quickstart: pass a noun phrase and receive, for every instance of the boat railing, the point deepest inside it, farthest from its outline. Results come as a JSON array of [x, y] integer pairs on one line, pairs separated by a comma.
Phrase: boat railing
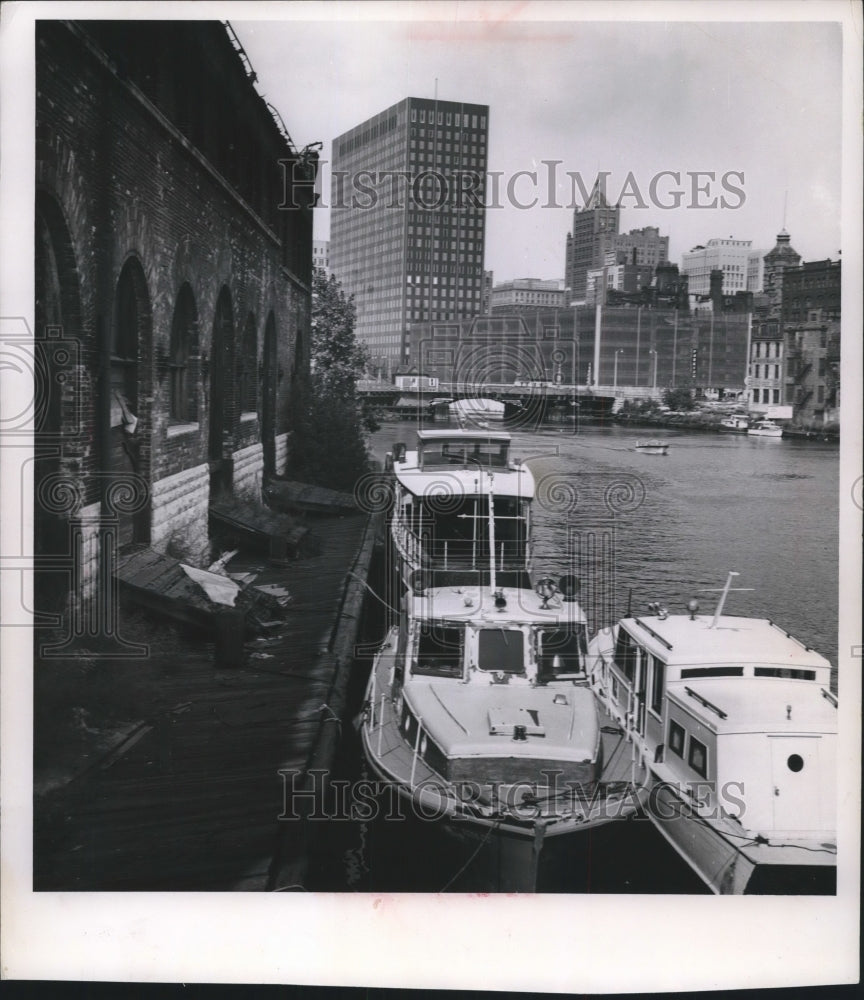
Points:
[[457, 553]]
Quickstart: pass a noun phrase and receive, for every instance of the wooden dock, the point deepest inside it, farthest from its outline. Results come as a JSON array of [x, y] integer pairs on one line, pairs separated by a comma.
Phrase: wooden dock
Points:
[[286, 495], [190, 799]]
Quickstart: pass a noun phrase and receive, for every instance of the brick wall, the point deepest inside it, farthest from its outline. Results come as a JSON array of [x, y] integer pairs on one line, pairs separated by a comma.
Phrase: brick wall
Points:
[[121, 187]]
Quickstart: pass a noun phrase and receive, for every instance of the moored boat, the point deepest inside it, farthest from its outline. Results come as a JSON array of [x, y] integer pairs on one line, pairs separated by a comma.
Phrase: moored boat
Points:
[[737, 724], [765, 428], [479, 712], [478, 709], [737, 423]]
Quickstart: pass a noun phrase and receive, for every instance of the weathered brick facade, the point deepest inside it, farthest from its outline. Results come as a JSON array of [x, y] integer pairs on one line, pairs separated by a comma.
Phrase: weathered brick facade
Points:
[[173, 273]]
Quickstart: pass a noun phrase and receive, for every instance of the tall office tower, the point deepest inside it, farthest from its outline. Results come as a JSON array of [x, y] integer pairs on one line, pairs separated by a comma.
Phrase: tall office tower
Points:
[[595, 228], [407, 219]]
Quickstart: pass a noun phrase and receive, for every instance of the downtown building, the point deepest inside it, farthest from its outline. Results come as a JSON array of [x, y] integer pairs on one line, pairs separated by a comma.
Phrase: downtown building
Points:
[[627, 351], [595, 241], [732, 257], [407, 220], [526, 295], [592, 237]]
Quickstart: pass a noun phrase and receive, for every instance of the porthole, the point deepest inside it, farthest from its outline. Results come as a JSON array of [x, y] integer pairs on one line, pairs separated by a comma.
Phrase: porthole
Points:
[[795, 762]]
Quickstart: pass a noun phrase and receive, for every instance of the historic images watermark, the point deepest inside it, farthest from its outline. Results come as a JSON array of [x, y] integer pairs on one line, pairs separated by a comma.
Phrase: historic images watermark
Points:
[[316, 796], [551, 186]]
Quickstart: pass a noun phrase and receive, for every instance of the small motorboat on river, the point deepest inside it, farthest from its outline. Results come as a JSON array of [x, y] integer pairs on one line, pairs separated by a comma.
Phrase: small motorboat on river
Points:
[[765, 428], [737, 724], [737, 423]]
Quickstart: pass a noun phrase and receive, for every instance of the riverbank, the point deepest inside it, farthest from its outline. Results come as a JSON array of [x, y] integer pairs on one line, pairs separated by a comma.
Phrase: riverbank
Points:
[[709, 423], [166, 771]]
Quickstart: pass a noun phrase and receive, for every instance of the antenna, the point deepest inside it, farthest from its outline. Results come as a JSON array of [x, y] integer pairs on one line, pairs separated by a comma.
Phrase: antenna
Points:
[[492, 580], [785, 194], [436, 88], [724, 591]]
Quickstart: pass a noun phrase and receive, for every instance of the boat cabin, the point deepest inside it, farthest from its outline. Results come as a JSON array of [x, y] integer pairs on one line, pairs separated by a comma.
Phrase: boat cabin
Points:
[[455, 644], [442, 498], [736, 707]]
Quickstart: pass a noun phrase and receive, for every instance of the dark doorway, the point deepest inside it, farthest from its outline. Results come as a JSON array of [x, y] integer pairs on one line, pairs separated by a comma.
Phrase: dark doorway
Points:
[[220, 438], [130, 336], [268, 397]]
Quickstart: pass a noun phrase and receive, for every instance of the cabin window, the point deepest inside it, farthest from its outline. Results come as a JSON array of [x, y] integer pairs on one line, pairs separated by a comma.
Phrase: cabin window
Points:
[[559, 652], [657, 669], [676, 738], [439, 652], [501, 649], [625, 654], [795, 675], [712, 672], [697, 756]]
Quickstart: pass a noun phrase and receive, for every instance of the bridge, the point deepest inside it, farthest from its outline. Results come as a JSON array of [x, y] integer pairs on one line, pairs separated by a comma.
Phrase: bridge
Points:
[[542, 401]]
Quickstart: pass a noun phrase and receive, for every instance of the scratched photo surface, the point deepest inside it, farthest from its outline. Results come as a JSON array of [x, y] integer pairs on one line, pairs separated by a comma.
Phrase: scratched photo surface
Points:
[[431, 473]]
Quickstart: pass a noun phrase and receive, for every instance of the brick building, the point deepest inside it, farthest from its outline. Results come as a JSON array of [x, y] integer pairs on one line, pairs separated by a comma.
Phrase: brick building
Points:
[[812, 287], [173, 269], [641, 349]]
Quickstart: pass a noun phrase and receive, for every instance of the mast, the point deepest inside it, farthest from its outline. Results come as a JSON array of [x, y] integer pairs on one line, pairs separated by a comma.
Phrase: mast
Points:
[[492, 580]]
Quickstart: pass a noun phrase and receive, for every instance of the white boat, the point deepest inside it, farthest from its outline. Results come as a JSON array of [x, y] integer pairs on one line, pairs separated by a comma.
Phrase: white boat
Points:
[[737, 423], [479, 712], [479, 411], [440, 518], [736, 721], [766, 428], [652, 447]]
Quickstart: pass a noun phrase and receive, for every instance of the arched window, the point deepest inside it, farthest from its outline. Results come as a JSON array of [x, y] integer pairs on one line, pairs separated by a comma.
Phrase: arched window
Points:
[[248, 368], [124, 348], [184, 354]]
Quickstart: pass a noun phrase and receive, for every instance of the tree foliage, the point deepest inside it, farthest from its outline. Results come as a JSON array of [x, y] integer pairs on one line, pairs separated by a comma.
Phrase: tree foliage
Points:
[[330, 446], [678, 399]]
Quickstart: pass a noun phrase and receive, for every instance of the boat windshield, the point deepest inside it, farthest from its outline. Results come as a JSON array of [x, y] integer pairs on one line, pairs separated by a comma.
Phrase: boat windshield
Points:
[[501, 650], [489, 454], [560, 651], [439, 651]]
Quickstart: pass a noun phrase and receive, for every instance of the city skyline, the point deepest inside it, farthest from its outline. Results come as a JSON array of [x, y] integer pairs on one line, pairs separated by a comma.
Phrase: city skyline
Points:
[[570, 99]]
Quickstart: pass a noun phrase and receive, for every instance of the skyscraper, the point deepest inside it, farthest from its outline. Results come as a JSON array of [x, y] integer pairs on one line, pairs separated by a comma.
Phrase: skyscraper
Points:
[[595, 228], [407, 222]]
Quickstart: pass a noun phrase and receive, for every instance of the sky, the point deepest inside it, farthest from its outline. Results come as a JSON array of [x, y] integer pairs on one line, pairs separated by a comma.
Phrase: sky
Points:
[[756, 103]]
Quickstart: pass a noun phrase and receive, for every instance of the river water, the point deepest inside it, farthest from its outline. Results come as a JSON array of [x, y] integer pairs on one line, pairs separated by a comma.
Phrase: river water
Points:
[[635, 528]]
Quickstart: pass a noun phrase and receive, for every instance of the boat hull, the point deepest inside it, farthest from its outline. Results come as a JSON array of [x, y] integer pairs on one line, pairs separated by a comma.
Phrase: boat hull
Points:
[[730, 862], [553, 807]]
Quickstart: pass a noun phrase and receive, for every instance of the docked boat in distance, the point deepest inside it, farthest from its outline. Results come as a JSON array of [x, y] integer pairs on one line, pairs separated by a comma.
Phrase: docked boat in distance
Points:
[[737, 724], [737, 422], [652, 447], [479, 411], [765, 428]]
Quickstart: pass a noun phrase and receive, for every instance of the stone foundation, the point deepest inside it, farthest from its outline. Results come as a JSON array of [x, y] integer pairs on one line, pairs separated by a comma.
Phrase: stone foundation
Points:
[[180, 505], [283, 450], [87, 530], [248, 472]]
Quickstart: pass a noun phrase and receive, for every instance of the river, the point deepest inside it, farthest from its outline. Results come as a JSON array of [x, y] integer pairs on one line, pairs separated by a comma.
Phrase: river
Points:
[[635, 528]]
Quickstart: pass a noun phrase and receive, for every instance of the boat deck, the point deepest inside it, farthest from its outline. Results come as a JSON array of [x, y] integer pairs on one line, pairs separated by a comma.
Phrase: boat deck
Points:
[[621, 778]]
